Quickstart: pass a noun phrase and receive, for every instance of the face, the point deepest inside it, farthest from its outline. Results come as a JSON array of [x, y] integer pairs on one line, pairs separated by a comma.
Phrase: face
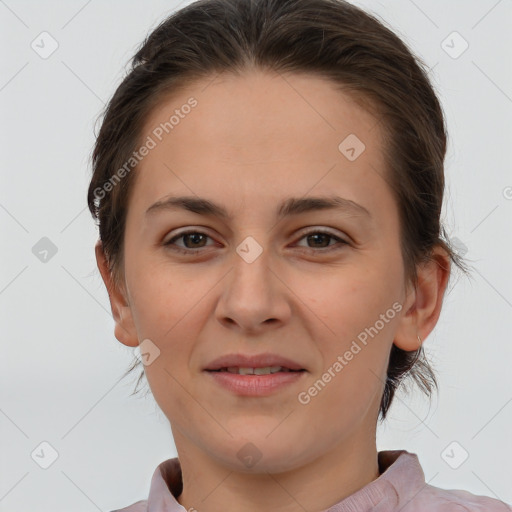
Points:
[[323, 287]]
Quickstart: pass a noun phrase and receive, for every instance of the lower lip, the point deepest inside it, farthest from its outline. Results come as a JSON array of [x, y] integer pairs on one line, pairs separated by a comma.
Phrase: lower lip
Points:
[[255, 385]]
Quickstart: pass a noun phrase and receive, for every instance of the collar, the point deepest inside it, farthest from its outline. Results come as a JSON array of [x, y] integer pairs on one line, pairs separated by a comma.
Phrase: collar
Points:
[[401, 478]]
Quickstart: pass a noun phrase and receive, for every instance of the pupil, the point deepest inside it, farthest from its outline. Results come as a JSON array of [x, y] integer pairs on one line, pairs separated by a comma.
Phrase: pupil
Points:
[[195, 237], [320, 235]]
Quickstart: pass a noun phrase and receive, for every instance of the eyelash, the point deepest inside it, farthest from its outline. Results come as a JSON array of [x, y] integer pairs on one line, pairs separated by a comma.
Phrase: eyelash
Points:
[[171, 241]]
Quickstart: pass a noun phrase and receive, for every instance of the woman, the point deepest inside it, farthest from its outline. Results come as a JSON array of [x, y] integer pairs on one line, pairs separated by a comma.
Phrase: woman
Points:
[[268, 182]]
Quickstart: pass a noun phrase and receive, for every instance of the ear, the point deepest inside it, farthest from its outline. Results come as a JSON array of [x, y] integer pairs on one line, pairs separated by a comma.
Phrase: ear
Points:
[[422, 306], [124, 330]]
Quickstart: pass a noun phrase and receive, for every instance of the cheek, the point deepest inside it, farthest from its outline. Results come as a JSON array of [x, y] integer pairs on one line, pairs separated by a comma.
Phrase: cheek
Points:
[[169, 375], [348, 300], [170, 318], [160, 297], [358, 310], [169, 390], [352, 377]]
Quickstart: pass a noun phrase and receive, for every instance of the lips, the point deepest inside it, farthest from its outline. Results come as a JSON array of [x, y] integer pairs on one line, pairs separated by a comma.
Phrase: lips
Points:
[[247, 364], [267, 370]]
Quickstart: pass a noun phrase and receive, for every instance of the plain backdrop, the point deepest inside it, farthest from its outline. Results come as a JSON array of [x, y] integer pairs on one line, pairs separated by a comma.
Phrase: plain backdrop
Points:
[[60, 362]]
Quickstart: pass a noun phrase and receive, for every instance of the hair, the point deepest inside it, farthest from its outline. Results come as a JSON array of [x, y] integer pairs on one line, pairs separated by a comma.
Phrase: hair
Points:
[[326, 38]]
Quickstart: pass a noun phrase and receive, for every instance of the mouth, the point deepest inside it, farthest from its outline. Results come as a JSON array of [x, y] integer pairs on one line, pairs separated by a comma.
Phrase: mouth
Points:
[[267, 370], [255, 375], [254, 364], [255, 382]]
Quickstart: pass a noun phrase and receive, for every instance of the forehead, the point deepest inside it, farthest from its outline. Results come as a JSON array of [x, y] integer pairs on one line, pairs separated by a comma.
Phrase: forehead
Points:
[[260, 134], [261, 108]]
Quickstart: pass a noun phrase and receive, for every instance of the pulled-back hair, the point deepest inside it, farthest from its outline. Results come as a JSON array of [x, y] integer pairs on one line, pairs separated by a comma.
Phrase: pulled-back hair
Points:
[[327, 38]]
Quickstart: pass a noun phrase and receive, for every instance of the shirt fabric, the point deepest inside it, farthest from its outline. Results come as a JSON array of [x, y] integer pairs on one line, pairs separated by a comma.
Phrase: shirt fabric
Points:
[[400, 487]]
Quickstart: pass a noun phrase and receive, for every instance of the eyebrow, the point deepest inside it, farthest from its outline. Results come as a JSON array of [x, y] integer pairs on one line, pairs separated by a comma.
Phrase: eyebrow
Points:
[[289, 207]]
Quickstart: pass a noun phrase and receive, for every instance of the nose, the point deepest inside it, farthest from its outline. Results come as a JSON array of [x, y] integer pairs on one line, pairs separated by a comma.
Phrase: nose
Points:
[[254, 297]]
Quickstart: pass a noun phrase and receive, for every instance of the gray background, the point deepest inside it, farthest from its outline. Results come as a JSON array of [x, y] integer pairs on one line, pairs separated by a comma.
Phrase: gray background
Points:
[[61, 365]]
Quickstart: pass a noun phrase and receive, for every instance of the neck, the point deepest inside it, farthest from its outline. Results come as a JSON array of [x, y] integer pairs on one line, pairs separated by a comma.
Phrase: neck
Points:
[[315, 486]]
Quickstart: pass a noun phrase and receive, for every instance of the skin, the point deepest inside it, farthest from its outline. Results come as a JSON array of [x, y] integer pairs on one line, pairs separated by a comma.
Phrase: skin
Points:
[[251, 142]]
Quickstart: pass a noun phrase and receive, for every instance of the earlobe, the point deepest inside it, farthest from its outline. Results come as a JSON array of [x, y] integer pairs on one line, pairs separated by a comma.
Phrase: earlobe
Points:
[[423, 304], [124, 329]]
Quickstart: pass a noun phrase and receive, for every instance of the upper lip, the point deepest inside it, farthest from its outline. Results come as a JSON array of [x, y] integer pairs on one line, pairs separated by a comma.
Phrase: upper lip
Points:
[[255, 361]]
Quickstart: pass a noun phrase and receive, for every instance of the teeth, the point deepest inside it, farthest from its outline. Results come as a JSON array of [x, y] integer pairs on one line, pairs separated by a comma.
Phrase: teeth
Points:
[[267, 370], [256, 371]]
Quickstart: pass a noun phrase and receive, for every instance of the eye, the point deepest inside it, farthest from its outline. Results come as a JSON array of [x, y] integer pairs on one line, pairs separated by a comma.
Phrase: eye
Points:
[[193, 241], [319, 237]]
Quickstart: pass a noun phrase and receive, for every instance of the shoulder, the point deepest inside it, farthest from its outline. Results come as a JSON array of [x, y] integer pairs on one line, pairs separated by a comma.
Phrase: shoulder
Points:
[[408, 491], [434, 499], [139, 506]]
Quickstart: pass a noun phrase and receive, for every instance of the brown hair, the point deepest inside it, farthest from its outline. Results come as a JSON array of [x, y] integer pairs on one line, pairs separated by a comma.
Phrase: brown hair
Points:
[[329, 38]]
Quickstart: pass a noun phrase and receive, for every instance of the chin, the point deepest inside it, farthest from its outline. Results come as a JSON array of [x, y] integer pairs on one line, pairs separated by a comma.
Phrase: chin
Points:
[[260, 454]]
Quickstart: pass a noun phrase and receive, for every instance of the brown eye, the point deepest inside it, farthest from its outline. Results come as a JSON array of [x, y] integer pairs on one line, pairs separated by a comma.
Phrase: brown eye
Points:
[[321, 240], [195, 239], [192, 242]]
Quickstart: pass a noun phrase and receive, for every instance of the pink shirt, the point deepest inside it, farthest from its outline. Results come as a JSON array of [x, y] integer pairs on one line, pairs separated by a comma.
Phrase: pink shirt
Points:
[[400, 487]]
